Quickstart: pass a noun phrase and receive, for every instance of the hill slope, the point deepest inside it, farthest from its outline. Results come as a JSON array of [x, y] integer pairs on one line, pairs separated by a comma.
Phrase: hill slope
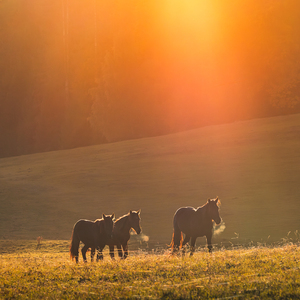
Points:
[[253, 166]]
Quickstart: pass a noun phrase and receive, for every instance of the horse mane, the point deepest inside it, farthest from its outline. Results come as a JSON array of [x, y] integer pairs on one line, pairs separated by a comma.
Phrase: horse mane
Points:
[[123, 217], [218, 203], [120, 222], [199, 207]]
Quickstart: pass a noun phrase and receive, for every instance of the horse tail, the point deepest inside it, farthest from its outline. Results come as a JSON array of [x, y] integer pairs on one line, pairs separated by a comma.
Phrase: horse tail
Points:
[[176, 242], [177, 238], [75, 241]]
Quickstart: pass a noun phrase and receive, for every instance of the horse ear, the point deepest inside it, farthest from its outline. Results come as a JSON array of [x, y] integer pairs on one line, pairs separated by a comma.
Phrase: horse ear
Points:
[[139, 212], [217, 200], [113, 216], [104, 216], [208, 200]]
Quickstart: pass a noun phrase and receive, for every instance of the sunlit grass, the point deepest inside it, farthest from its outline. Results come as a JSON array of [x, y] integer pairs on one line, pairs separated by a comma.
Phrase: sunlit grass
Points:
[[257, 272]]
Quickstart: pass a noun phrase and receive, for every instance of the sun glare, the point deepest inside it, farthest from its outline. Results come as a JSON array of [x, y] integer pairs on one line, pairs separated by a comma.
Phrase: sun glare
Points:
[[193, 44], [194, 22], [103, 71]]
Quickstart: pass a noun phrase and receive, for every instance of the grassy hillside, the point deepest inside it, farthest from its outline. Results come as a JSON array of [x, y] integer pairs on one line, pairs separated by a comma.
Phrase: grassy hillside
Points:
[[255, 273], [253, 166]]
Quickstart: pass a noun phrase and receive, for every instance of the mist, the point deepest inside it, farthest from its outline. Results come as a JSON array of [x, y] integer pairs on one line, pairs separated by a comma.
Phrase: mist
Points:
[[81, 73], [218, 229]]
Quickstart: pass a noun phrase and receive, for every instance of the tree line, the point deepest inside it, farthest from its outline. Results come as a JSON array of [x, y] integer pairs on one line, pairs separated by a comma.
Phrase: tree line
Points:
[[77, 73]]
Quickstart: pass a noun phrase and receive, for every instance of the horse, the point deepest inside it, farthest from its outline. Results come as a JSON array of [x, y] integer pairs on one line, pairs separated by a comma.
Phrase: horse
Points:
[[93, 234], [121, 233], [195, 223]]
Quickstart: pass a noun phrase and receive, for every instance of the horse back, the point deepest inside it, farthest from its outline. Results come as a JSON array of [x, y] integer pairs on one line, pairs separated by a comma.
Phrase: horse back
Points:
[[83, 225], [187, 221], [184, 213], [85, 230]]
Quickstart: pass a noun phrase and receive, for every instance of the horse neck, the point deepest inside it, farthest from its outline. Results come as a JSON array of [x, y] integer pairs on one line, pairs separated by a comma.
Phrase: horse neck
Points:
[[100, 225], [123, 224], [202, 211]]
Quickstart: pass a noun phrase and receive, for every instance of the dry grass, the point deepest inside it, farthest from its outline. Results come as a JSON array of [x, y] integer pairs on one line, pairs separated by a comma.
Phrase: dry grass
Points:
[[245, 273]]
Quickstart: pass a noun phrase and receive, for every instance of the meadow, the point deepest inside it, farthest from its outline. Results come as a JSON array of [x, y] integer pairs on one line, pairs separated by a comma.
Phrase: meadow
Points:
[[253, 166], [239, 273]]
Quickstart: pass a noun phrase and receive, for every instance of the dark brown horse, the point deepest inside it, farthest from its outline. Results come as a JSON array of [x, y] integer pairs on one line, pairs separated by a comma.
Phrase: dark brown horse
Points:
[[93, 234], [121, 233], [195, 223]]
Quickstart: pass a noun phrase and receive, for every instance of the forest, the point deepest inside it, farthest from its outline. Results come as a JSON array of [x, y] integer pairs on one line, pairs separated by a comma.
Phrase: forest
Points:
[[77, 73]]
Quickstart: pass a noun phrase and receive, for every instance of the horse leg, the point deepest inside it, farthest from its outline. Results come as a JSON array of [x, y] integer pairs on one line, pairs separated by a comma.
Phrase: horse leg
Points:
[[177, 238], [120, 252], [208, 240], [111, 251], [125, 248], [92, 253], [100, 254], [83, 251], [193, 242], [185, 241]]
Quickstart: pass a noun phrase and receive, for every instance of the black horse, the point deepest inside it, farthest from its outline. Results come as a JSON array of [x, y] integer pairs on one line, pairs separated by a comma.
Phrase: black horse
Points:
[[195, 223], [93, 234], [121, 233]]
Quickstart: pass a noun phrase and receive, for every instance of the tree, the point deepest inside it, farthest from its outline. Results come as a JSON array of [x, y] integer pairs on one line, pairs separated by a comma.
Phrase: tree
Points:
[[284, 62], [127, 100]]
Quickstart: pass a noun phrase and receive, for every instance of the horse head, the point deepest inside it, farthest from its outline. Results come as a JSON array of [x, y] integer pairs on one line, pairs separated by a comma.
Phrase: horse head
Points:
[[213, 210], [108, 224], [134, 218]]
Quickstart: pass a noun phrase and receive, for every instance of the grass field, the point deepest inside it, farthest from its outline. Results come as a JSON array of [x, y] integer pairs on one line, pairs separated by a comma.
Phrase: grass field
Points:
[[241, 273], [253, 166]]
